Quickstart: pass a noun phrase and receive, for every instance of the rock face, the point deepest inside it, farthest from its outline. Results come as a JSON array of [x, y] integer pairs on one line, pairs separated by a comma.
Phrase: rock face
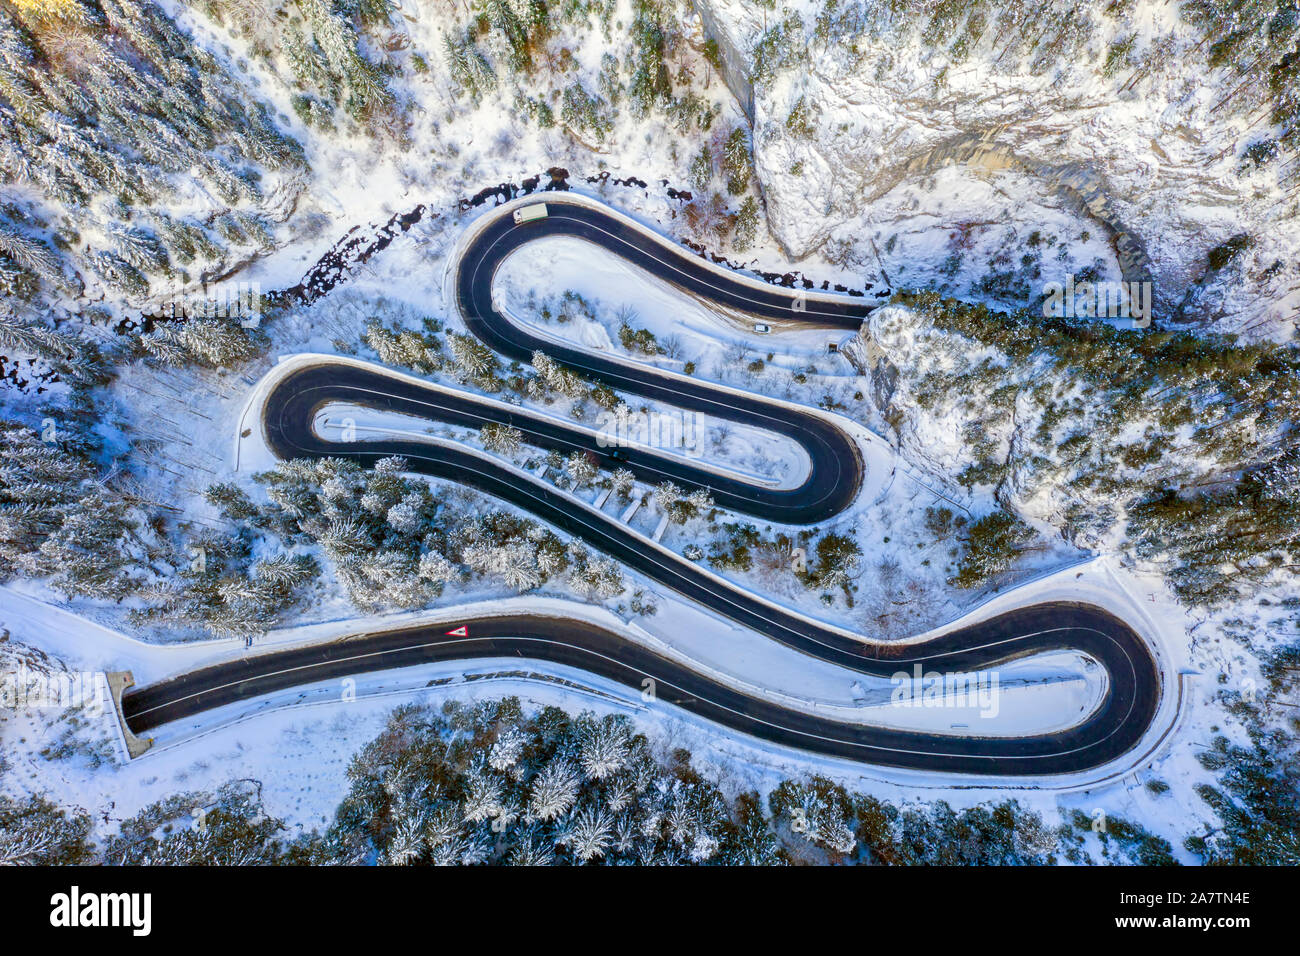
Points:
[[1141, 152], [735, 62]]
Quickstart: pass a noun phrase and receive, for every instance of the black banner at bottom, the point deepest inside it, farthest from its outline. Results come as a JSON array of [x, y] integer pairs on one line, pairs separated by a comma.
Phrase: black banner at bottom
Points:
[[338, 906]]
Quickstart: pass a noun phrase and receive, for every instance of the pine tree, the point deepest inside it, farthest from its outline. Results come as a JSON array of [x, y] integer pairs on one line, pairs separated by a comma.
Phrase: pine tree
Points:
[[34, 832], [623, 480], [746, 225], [588, 834], [604, 749], [580, 468], [501, 439], [737, 162], [553, 791]]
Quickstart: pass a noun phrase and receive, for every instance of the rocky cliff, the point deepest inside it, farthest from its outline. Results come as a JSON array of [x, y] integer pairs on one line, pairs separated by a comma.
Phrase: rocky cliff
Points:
[[1109, 122]]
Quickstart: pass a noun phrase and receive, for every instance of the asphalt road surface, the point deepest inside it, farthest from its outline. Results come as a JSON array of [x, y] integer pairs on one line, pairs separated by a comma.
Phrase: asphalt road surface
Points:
[[1133, 687], [1107, 734]]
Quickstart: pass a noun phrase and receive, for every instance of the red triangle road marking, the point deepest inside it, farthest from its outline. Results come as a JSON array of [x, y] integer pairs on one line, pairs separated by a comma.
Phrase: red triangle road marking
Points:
[[462, 631]]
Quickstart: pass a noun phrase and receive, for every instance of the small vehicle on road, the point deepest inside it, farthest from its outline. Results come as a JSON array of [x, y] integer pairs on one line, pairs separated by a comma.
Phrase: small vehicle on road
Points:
[[762, 328], [529, 213]]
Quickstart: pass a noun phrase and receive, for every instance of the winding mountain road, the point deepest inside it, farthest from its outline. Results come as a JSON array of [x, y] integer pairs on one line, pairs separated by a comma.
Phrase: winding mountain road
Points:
[[296, 398]]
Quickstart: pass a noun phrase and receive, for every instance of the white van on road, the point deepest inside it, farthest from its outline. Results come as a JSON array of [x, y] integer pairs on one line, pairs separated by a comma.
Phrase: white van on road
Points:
[[529, 213]]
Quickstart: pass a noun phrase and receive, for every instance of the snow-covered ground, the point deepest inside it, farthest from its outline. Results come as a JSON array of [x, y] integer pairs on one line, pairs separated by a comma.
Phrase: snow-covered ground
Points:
[[1035, 695], [280, 739], [916, 152], [719, 344], [883, 191]]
